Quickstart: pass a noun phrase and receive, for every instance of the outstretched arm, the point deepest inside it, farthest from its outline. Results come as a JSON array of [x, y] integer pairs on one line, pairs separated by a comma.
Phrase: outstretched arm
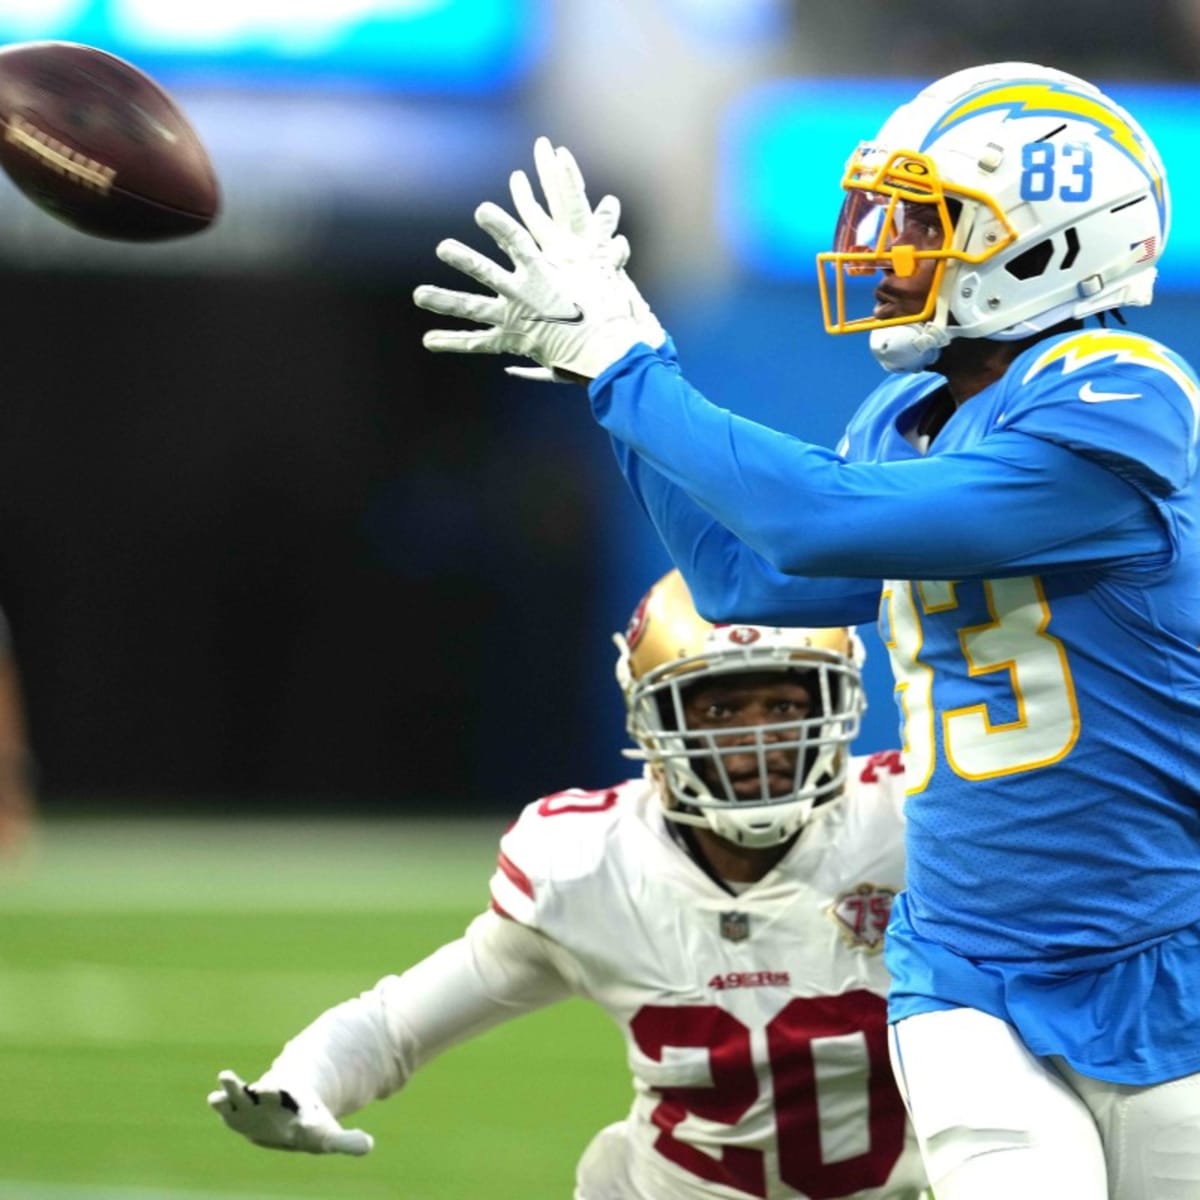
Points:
[[367, 1048], [727, 579], [808, 512], [799, 508]]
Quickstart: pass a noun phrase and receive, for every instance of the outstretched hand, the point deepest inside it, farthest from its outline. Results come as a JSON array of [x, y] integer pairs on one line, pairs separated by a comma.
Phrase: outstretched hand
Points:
[[568, 303], [284, 1119], [562, 184], [567, 227]]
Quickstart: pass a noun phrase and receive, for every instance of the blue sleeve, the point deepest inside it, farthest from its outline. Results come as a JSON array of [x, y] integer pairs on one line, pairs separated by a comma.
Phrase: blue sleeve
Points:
[[1015, 505], [728, 580]]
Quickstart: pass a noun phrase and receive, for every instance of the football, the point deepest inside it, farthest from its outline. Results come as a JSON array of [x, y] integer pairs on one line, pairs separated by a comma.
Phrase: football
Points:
[[98, 144]]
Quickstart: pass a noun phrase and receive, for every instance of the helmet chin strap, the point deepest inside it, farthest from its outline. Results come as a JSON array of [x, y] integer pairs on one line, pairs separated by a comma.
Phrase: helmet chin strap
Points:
[[903, 348], [908, 347]]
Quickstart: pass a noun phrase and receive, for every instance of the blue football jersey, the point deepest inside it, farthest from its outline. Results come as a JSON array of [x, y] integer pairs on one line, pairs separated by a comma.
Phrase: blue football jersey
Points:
[[1050, 718], [1040, 600]]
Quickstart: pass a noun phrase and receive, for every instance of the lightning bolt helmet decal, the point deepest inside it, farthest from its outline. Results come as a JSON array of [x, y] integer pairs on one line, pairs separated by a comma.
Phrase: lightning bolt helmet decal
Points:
[[1037, 98], [1014, 225]]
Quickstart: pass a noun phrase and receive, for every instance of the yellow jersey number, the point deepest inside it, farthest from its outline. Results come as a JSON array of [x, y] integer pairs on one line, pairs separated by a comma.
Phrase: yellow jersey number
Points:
[[1015, 642]]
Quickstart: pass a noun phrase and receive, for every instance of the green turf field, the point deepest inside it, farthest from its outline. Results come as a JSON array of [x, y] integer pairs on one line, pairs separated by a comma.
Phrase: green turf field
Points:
[[138, 958]]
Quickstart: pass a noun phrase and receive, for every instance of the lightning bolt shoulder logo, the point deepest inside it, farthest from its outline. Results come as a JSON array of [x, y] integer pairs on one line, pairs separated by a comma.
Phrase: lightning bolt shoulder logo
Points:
[[1097, 345]]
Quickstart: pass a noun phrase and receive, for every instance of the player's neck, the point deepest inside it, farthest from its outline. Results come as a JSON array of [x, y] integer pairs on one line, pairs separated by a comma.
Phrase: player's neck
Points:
[[972, 364], [730, 863]]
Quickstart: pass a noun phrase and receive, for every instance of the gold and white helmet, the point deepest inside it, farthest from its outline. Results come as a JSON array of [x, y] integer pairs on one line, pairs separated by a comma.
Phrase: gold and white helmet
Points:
[[1052, 204], [668, 648]]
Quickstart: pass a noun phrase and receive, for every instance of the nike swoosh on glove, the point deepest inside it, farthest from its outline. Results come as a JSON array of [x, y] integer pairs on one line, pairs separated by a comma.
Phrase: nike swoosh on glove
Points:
[[284, 1118], [569, 312]]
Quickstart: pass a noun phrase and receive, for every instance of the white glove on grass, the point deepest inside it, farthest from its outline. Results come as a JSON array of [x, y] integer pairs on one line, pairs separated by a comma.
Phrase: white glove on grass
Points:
[[567, 303], [283, 1119]]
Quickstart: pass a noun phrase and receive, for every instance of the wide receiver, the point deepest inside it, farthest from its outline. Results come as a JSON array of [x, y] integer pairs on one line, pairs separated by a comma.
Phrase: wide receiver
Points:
[[1017, 504], [726, 909]]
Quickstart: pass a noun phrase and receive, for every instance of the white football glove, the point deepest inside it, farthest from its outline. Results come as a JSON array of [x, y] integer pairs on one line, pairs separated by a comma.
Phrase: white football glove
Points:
[[567, 303], [284, 1119], [594, 229]]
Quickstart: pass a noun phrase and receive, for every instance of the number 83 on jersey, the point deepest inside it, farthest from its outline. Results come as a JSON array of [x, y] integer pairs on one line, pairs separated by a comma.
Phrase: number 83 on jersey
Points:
[[998, 691]]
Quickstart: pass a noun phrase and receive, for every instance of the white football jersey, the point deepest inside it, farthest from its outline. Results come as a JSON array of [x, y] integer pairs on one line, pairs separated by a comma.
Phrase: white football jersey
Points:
[[755, 1024]]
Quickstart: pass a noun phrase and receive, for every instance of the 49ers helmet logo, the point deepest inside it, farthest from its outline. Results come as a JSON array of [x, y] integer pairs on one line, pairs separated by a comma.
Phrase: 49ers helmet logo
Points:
[[637, 623], [743, 635]]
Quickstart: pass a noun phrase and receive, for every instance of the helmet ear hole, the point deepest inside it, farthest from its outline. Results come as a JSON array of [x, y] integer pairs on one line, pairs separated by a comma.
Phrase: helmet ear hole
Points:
[[1033, 262]]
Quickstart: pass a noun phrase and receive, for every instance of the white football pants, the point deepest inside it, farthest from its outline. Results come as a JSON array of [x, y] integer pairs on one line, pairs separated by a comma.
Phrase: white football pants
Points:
[[603, 1171], [997, 1123]]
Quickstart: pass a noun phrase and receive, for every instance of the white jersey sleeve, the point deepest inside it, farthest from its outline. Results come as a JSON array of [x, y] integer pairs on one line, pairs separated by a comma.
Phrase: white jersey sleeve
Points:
[[557, 845], [368, 1047]]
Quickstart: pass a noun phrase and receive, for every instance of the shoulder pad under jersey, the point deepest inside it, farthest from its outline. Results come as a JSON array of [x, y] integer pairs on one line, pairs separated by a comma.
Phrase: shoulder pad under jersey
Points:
[[559, 838], [1119, 398], [878, 778]]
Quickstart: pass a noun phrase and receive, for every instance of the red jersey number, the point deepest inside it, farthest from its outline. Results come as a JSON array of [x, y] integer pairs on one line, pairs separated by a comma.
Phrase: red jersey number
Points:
[[576, 800], [793, 1049]]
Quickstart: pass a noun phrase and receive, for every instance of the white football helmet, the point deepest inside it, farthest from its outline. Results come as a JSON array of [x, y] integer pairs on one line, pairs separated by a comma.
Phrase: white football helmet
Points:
[[668, 648], [1054, 199]]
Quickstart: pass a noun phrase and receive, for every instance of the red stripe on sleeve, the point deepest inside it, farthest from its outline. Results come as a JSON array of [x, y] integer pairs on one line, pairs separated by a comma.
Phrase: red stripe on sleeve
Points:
[[515, 875]]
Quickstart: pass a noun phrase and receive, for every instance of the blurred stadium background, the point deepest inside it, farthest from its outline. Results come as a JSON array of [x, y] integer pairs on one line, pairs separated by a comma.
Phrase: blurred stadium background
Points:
[[304, 614]]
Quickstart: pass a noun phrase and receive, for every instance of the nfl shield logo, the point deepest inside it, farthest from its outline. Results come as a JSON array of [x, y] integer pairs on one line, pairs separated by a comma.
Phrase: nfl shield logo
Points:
[[735, 926]]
